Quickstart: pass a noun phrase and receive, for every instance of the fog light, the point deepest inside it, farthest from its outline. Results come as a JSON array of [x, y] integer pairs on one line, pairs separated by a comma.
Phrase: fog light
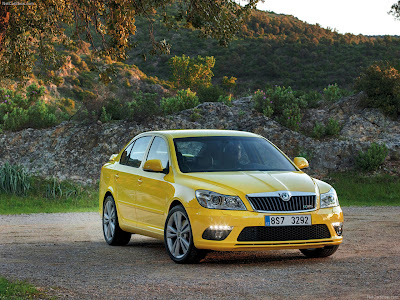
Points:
[[338, 228], [217, 232]]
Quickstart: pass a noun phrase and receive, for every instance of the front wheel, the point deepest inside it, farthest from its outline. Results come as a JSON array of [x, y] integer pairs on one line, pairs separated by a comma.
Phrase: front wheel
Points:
[[320, 252], [178, 238], [113, 234]]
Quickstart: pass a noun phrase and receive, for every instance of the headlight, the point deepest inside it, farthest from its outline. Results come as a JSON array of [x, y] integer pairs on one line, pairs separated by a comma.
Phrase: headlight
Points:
[[329, 199], [214, 200]]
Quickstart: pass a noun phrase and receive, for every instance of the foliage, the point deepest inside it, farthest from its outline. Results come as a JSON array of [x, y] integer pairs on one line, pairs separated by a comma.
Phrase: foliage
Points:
[[191, 73], [184, 99], [229, 84], [373, 158], [381, 83], [332, 93], [18, 112], [30, 32], [332, 128], [143, 106], [291, 116], [312, 99], [281, 103], [210, 93], [56, 188], [14, 179]]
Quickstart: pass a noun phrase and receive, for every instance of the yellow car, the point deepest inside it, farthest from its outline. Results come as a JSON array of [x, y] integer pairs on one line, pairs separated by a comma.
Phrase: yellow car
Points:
[[202, 190]]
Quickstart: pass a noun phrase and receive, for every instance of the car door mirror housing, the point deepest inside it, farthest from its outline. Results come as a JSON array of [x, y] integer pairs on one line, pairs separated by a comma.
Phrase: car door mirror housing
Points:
[[113, 157], [153, 165], [301, 162]]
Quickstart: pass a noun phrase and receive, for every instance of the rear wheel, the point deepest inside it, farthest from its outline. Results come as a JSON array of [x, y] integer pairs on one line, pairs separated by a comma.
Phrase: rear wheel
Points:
[[113, 234], [320, 252], [178, 238]]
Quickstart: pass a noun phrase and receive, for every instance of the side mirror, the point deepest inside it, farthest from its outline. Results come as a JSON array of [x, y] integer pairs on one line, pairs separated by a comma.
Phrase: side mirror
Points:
[[153, 165], [301, 162], [113, 157]]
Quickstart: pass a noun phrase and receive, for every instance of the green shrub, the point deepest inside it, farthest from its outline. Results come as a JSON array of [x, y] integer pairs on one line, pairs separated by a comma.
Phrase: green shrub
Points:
[[184, 99], [14, 179], [210, 93], [332, 128], [227, 100], [18, 112], [143, 106], [312, 99], [332, 92], [318, 130], [105, 117], [381, 83], [371, 159], [276, 100], [291, 116]]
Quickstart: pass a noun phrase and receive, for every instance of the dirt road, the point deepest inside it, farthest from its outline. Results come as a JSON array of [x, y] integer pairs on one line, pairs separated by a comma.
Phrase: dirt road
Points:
[[66, 254]]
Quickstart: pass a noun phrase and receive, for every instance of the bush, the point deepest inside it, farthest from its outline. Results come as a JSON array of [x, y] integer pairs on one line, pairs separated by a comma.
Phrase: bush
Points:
[[312, 99], [276, 99], [192, 73], [318, 130], [291, 116], [332, 128], [371, 159], [210, 93], [18, 112], [381, 83], [143, 106], [184, 99], [332, 92], [14, 179]]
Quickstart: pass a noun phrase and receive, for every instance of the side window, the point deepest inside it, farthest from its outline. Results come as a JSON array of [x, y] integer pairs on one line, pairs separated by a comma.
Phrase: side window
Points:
[[124, 156], [139, 148], [159, 150]]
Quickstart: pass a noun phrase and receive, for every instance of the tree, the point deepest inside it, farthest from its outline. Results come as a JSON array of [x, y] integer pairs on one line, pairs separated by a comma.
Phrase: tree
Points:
[[34, 32], [191, 72]]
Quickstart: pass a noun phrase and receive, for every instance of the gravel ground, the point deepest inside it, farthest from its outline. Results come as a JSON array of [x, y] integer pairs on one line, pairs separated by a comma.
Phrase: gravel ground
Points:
[[66, 255]]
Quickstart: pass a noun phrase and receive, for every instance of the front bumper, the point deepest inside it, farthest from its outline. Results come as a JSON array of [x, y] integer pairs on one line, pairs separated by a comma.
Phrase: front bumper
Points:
[[203, 218]]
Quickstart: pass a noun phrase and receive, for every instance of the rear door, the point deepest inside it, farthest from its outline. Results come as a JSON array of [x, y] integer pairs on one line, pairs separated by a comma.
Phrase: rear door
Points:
[[153, 189], [126, 177]]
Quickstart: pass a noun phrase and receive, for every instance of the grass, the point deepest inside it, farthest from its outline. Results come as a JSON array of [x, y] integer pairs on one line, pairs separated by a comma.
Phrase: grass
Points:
[[19, 290], [357, 189], [50, 196], [13, 204]]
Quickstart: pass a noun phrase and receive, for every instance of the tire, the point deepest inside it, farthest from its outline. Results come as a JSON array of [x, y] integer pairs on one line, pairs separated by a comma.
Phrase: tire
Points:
[[113, 234], [178, 238], [320, 252]]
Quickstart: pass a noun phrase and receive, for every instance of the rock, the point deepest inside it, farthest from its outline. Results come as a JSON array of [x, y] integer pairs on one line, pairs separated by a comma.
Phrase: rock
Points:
[[77, 151]]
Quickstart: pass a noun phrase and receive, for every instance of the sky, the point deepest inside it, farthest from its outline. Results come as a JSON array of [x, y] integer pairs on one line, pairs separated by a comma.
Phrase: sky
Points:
[[367, 17]]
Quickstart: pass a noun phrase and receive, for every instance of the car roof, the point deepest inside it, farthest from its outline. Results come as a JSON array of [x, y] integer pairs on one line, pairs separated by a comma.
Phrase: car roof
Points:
[[201, 132]]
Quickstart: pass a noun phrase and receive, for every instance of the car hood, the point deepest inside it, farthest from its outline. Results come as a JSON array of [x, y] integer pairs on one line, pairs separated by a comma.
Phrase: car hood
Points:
[[248, 182]]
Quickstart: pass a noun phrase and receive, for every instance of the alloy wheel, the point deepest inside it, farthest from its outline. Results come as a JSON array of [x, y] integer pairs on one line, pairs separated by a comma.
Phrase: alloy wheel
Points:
[[178, 234]]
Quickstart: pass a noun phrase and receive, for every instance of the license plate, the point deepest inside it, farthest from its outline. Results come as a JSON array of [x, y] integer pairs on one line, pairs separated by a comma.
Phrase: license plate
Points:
[[303, 220]]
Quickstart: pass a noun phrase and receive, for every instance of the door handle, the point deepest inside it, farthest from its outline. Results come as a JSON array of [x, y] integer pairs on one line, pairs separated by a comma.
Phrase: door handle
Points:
[[116, 176], [140, 181]]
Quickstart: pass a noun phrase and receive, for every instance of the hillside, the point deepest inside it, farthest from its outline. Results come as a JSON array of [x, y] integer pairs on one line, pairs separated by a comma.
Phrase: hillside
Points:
[[77, 151], [274, 49]]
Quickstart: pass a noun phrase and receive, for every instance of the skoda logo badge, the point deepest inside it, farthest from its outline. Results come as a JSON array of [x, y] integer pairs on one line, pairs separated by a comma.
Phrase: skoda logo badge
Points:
[[285, 196]]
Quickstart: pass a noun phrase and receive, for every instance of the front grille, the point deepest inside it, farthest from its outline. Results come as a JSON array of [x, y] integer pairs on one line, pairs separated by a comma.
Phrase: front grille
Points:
[[296, 203], [284, 233]]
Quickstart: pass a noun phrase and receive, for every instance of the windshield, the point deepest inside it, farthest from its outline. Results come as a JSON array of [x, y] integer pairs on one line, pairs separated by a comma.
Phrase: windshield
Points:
[[227, 153]]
